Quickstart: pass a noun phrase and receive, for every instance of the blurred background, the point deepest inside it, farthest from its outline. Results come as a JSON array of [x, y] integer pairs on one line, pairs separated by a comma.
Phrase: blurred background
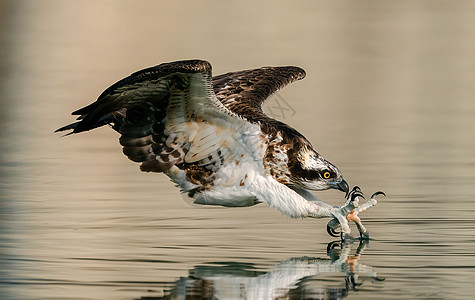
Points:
[[388, 98]]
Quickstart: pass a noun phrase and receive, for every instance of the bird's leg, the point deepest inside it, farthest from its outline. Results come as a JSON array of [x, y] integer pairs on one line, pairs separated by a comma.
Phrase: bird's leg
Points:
[[339, 219], [332, 226], [350, 210], [353, 215], [340, 216]]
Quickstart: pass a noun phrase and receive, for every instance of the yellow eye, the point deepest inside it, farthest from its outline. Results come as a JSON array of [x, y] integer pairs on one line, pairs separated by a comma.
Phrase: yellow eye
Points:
[[326, 175]]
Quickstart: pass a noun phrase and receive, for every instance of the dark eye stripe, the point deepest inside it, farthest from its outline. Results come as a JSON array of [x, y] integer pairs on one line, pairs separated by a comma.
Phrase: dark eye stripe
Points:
[[305, 174]]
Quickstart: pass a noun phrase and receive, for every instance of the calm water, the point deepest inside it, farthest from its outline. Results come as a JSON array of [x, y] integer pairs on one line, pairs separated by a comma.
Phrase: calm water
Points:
[[389, 98]]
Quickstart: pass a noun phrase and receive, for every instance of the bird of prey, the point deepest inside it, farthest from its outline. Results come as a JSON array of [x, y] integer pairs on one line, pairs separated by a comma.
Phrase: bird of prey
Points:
[[212, 138]]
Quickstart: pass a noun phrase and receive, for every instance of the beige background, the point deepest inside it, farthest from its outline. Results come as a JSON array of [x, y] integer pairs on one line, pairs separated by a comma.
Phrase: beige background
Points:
[[388, 97]]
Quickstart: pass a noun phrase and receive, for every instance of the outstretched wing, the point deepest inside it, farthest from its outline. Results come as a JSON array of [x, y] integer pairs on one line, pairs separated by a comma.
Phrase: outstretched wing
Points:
[[244, 92], [167, 115]]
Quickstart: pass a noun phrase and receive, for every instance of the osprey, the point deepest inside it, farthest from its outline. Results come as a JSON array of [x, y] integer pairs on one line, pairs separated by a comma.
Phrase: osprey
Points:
[[212, 138]]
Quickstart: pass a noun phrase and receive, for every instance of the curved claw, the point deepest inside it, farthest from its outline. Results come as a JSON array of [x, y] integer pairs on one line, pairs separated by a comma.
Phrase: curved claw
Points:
[[378, 193], [357, 194], [355, 189], [333, 232]]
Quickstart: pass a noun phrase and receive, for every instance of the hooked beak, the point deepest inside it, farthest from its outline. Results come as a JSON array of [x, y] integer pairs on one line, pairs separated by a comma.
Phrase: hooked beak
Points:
[[342, 186]]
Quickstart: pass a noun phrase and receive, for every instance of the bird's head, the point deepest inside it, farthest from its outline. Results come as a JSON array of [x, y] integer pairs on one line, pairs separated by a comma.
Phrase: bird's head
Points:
[[311, 171]]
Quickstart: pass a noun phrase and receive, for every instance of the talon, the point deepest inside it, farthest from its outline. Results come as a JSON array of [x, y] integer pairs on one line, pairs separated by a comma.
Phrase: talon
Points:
[[356, 189], [357, 194], [333, 232], [332, 225], [378, 193]]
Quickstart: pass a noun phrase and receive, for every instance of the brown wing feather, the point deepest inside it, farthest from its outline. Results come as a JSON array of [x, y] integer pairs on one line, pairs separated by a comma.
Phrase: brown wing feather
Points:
[[167, 115], [151, 84], [139, 108], [244, 92]]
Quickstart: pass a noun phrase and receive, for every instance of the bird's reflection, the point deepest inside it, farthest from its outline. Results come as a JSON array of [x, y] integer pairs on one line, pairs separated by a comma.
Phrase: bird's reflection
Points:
[[294, 278]]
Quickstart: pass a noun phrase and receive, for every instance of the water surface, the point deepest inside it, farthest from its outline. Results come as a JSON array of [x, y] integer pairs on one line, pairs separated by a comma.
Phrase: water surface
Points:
[[388, 98]]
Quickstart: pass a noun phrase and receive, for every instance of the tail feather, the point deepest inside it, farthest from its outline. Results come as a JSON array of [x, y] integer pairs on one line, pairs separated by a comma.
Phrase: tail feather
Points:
[[115, 119], [96, 116], [68, 127], [85, 110]]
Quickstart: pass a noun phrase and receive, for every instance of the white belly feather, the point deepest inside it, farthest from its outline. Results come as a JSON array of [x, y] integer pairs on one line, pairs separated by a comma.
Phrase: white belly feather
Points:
[[237, 172]]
